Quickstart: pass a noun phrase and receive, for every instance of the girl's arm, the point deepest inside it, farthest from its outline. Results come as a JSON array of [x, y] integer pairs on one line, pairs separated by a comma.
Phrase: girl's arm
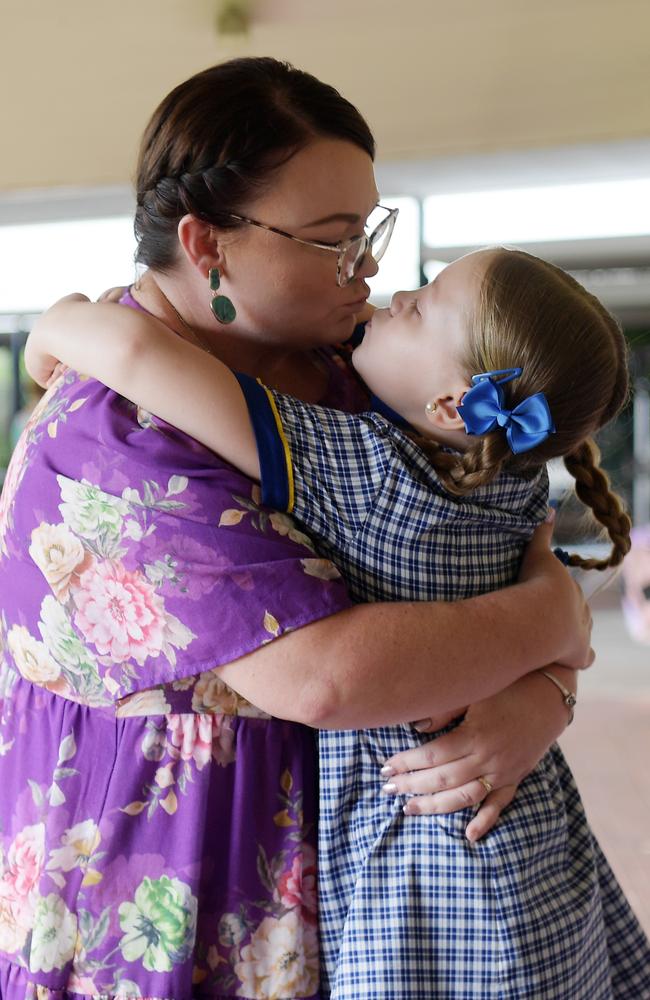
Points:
[[142, 359]]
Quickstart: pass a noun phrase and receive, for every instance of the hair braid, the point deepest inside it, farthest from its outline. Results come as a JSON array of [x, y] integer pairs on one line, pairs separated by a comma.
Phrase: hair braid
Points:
[[460, 473], [592, 488]]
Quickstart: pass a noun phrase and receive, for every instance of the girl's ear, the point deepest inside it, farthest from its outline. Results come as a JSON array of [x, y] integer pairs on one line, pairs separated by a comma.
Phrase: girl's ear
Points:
[[442, 411], [200, 244]]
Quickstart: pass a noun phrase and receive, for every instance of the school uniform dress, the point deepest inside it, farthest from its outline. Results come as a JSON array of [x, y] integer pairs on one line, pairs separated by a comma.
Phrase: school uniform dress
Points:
[[408, 907]]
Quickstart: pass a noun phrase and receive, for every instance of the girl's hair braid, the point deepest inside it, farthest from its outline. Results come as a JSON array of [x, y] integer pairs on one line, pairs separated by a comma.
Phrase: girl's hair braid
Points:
[[593, 489], [469, 470]]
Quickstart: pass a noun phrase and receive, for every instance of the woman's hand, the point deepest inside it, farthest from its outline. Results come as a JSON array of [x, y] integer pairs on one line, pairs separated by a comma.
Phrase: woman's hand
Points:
[[560, 601], [500, 740]]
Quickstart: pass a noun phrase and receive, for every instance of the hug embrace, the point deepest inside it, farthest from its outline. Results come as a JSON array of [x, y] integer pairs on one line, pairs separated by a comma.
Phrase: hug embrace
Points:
[[286, 650]]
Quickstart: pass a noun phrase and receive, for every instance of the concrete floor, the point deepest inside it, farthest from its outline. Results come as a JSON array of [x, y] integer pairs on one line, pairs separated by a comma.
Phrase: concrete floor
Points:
[[608, 747]]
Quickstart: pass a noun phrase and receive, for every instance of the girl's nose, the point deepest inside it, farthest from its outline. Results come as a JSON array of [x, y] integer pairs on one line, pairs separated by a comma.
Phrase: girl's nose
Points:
[[397, 302]]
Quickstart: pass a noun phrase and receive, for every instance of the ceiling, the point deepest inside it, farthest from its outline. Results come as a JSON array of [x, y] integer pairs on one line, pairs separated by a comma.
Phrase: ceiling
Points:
[[79, 80], [462, 95]]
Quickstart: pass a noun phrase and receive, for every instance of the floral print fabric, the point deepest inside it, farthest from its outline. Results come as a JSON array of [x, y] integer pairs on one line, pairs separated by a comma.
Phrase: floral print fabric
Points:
[[157, 832]]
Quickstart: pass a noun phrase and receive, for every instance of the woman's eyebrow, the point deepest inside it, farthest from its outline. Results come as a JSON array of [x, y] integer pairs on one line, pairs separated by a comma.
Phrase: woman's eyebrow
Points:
[[348, 217], [351, 218]]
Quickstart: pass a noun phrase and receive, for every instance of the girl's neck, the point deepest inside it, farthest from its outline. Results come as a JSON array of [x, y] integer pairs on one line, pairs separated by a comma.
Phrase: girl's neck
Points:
[[455, 439], [286, 369]]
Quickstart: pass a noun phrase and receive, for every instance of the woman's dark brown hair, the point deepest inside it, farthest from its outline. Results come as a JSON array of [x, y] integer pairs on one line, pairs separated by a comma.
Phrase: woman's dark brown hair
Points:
[[533, 315], [215, 141]]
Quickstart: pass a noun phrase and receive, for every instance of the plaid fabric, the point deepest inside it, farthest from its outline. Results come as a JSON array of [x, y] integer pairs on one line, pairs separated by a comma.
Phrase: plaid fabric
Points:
[[408, 908], [373, 503]]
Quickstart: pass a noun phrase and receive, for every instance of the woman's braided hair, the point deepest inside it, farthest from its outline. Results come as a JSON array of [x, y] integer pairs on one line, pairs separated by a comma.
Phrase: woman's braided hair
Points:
[[216, 140], [533, 315]]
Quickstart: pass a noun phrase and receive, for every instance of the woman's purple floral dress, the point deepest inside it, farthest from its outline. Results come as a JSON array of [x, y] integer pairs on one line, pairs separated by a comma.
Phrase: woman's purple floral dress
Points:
[[157, 832]]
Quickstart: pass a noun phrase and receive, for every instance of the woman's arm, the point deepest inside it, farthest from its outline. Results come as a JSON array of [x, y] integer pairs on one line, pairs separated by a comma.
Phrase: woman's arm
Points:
[[142, 359], [377, 664]]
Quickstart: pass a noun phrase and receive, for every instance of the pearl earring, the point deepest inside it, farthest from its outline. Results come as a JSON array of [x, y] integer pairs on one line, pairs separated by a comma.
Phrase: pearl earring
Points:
[[431, 408]]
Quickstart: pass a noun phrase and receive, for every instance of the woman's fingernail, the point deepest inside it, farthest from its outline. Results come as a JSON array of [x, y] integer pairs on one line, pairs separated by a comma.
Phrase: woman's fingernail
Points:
[[421, 725], [390, 788], [387, 771], [410, 809], [550, 517]]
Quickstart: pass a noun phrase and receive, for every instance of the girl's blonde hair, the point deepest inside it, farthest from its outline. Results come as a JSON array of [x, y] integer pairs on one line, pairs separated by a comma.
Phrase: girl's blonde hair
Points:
[[535, 316]]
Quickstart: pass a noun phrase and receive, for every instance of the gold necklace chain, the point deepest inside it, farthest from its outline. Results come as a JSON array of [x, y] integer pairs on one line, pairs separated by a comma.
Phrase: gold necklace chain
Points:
[[199, 340]]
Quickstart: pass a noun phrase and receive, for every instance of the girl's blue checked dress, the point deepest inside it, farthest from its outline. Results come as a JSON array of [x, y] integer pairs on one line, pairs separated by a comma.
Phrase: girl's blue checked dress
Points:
[[409, 909]]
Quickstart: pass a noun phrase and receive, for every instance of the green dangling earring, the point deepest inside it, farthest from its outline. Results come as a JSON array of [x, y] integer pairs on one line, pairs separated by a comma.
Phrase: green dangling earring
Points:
[[222, 308]]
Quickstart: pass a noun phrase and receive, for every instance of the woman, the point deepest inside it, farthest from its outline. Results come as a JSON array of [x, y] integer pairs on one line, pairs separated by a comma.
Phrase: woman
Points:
[[160, 840]]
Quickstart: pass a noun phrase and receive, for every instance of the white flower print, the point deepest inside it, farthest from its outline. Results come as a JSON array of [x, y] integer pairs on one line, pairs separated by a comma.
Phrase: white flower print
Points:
[[31, 656], [53, 936], [322, 569], [151, 701], [210, 694], [89, 512], [281, 959], [76, 660], [61, 639], [232, 930], [285, 525], [59, 555], [78, 844]]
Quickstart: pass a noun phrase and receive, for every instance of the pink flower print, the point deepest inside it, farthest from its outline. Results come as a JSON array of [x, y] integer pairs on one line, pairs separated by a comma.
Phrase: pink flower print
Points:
[[13, 476], [25, 859], [190, 738], [199, 738], [119, 612], [15, 916], [18, 886], [223, 740], [297, 885]]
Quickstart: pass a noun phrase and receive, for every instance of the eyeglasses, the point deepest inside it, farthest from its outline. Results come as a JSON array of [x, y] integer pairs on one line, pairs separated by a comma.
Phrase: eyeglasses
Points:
[[351, 252]]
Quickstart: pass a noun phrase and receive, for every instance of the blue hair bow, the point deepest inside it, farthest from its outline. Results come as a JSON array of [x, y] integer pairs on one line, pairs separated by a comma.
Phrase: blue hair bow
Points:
[[482, 409]]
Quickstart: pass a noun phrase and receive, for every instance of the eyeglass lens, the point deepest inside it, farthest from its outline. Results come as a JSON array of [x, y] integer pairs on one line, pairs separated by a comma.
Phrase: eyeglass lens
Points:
[[375, 244]]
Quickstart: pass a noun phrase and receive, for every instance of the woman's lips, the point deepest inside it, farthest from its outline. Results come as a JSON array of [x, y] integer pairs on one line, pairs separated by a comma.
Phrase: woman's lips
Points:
[[357, 305]]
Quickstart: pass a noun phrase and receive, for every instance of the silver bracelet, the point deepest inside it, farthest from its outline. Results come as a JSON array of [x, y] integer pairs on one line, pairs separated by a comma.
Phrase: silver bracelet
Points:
[[569, 698]]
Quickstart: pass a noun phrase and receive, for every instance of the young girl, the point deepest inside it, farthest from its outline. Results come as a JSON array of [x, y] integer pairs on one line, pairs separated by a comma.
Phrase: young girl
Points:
[[500, 364]]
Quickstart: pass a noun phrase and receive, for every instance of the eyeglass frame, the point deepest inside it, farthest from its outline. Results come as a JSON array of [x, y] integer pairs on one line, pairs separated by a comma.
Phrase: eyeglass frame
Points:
[[340, 248]]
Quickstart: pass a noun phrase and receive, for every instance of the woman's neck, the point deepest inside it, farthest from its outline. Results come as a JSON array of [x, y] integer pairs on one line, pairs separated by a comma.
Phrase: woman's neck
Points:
[[286, 369]]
